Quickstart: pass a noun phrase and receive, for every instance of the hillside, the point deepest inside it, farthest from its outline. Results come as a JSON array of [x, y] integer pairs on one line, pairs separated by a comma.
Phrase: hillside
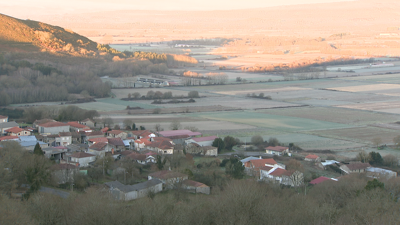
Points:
[[28, 35]]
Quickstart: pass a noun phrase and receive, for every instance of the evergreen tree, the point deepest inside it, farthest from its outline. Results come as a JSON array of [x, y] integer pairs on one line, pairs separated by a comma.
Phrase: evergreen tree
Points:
[[38, 150], [219, 143]]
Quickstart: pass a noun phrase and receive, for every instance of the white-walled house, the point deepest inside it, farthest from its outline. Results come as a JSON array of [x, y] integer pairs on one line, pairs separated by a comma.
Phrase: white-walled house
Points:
[[82, 159], [53, 128], [3, 119], [277, 150]]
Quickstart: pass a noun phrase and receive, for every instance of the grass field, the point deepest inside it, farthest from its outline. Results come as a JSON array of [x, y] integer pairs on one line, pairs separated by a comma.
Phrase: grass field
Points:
[[283, 123]]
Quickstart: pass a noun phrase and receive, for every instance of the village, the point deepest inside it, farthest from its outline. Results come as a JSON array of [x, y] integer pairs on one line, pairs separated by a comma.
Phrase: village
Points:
[[137, 163]]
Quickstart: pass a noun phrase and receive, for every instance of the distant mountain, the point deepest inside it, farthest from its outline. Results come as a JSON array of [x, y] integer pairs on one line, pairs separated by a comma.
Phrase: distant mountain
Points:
[[28, 35]]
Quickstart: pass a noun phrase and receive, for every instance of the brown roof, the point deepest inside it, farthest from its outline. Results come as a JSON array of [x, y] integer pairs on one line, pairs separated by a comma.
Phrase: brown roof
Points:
[[127, 152], [311, 156], [116, 132], [94, 133], [8, 138], [105, 129], [143, 133], [76, 135], [276, 148], [99, 146], [77, 125], [184, 136], [166, 174], [358, 166], [3, 117], [161, 144], [65, 134], [116, 141], [137, 156], [193, 183], [53, 124], [81, 155], [100, 139], [44, 121], [279, 172]]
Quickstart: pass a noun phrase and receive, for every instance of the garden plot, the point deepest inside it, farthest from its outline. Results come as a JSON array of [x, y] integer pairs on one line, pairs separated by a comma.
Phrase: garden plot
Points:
[[335, 115], [387, 78], [360, 134], [367, 88], [280, 123]]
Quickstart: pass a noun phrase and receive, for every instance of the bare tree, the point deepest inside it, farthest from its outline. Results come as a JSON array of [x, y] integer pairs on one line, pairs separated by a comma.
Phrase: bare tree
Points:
[[175, 125]]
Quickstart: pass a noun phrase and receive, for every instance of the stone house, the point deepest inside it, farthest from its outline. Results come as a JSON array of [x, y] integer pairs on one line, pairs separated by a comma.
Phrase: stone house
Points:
[[88, 122], [139, 134], [195, 187], [252, 167], [131, 192], [196, 149], [117, 134], [356, 167], [16, 131], [99, 149], [312, 158], [162, 146], [169, 178], [116, 144]]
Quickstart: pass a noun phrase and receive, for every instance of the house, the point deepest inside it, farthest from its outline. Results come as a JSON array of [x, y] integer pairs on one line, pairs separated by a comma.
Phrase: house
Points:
[[196, 187], [64, 139], [321, 179], [7, 125], [168, 177], [42, 121], [55, 153], [326, 163], [312, 158], [3, 119], [16, 131], [130, 192], [88, 122], [76, 138], [249, 158], [141, 144], [63, 173], [138, 134], [196, 149], [202, 141], [282, 176], [104, 130], [9, 138], [161, 145], [179, 139], [252, 167], [356, 167], [117, 134], [141, 158], [90, 135], [76, 127], [170, 133], [52, 128], [81, 159], [374, 172], [277, 150], [117, 144], [99, 149], [95, 140]]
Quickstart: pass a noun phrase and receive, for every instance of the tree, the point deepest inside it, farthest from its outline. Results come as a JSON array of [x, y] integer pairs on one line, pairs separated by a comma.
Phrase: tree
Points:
[[390, 160], [150, 94], [156, 111], [37, 173], [294, 165], [375, 159], [175, 125], [136, 95], [108, 122], [157, 127], [257, 140], [219, 143], [167, 95], [363, 157], [373, 184], [377, 141], [193, 94], [128, 123], [234, 168], [142, 128], [273, 141], [160, 163], [229, 142], [38, 150]]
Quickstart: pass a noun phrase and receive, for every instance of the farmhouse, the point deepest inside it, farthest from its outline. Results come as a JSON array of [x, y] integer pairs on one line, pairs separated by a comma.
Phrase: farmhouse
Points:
[[312, 158], [7, 125], [282, 176], [252, 167], [161, 145], [16, 131], [82, 159], [116, 144], [356, 167], [202, 141], [169, 178], [88, 122], [3, 119], [277, 150], [52, 128], [130, 192], [195, 187]]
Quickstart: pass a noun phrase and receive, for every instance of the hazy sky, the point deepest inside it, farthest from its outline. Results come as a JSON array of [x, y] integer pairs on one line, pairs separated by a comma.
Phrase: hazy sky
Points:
[[30, 7]]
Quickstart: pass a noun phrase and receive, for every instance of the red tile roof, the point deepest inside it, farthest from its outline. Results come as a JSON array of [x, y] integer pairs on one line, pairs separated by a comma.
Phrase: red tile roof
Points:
[[161, 144], [99, 146], [94, 133], [116, 141], [81, 155], [278, 172], [105, 129], [53, 124], [100, 139], [319, 180], [14, 130], [276, 148], [8, 138], [259, 163], [143, 133], [143, 141], [77, 125], [266, 168], [311, 156]]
